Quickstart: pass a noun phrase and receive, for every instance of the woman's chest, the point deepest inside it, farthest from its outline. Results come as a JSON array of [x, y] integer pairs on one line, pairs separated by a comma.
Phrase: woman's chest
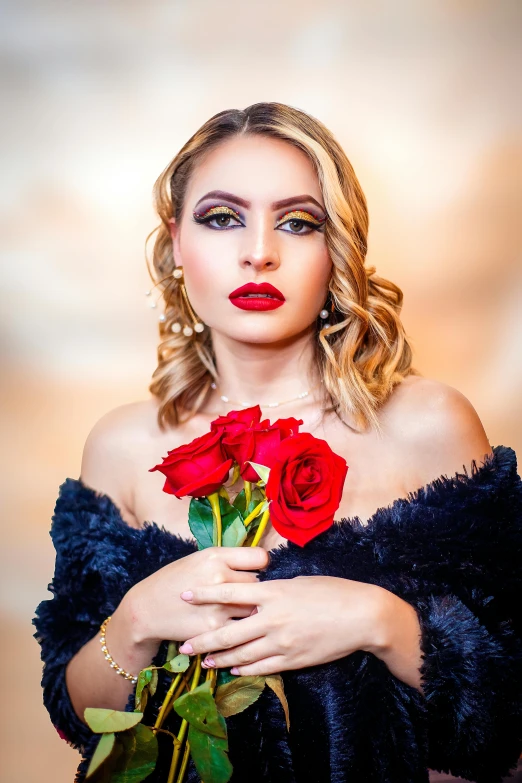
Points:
[[375, 478]]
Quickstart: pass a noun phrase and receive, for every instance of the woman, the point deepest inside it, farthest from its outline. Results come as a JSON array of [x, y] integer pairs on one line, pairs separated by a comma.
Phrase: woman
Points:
[[260, 261]]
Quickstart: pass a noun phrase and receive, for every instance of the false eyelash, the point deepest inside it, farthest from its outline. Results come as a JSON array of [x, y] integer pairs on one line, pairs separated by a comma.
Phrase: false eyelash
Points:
[[316, 223], [203, 217], [216, 211]]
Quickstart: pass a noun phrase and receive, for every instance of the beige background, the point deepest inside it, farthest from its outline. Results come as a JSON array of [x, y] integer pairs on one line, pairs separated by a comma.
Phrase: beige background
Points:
[[99, 96]]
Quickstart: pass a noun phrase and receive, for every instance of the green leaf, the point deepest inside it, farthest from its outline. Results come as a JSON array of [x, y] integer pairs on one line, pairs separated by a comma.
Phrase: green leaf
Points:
[[256, 498], [240, 502], [103, 751], [234, 534], [103, 721], [236, 696], [223, 493], [140, 751], [199, 709], [154, 681], [227, 509], [142, 689], [201, 522], [224, 676], [172, 650], [262, 471], [251, 531], [275, 681], [210, 757], [178, 664]]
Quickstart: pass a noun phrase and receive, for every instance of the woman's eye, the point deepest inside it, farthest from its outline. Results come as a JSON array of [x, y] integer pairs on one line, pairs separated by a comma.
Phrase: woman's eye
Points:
[[221, 215], [296, 225], [299, 219], [221, 221]]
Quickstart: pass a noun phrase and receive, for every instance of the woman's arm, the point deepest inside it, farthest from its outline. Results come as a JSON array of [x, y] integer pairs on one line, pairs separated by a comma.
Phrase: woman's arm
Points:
[[397, 639], [91, 681], [105, 567], [76, 674], [445, 433]]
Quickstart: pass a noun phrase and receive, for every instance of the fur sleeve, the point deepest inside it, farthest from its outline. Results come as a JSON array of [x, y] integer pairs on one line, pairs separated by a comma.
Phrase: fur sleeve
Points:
[[453, 550], [98, 559], [471, 640], [472, 682]]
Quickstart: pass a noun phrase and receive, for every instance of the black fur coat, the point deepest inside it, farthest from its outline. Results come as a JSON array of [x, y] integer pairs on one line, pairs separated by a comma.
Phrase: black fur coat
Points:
[[453, 550]]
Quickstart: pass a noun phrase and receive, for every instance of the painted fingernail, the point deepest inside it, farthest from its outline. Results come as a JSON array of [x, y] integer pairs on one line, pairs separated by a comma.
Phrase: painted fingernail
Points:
[[187, 595], [234, 670], [209, 662], [186, 648]]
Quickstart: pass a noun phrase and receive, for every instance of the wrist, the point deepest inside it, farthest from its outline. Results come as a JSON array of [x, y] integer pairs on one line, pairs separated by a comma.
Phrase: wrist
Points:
[[383, 614], [128, 637]]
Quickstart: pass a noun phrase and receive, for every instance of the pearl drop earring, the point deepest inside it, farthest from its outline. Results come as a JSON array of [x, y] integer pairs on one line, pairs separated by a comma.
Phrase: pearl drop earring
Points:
[[197, 326], [176, 328]]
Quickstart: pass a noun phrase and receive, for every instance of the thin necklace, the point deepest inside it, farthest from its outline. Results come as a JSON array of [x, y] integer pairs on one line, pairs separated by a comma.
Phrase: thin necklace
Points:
[[244, 404]]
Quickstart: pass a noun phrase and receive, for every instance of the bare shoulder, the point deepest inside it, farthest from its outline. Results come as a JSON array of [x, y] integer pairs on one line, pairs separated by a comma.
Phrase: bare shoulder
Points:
[[111, 447], [439, 427]]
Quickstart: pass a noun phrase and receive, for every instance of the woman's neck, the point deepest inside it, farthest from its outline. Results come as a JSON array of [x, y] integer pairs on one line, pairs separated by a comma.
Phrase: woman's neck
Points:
[[264, 373]]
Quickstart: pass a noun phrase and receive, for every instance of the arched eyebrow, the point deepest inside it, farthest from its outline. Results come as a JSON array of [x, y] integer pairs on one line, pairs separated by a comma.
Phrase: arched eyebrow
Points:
[[241, 202]]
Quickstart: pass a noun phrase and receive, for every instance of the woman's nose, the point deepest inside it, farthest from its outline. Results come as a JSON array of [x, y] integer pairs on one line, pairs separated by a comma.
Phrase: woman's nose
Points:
[[259, 249]]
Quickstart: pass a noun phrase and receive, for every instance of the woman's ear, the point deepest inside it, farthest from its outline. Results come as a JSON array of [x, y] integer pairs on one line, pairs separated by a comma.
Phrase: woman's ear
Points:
[[174, 233]]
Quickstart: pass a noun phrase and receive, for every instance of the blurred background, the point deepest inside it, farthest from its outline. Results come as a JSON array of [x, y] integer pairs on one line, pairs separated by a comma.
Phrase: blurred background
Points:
[[98, 97]]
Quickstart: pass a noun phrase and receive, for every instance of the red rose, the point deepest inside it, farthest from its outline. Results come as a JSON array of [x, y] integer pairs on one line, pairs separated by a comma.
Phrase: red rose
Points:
[[305, 487], [236, 421], [196, 469], [259, 444]]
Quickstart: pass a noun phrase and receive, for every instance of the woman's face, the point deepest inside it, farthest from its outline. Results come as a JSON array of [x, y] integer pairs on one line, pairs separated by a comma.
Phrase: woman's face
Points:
[[248, 238]]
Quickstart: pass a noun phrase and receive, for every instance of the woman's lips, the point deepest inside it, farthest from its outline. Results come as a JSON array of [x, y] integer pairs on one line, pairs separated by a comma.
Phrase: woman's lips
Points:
[[257, 296]]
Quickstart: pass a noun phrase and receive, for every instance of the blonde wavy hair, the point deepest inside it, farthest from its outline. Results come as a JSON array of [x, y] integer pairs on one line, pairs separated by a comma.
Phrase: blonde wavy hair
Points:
[[363, 355]]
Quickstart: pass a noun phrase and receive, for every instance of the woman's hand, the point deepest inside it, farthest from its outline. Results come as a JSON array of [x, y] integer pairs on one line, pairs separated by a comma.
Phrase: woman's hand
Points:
[[299, 622], [152, 610]]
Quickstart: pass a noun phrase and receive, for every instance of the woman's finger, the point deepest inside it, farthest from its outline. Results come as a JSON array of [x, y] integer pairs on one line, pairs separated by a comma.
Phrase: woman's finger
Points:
[[227, 593], [246, 577], [272, 665], [238, 656], [242, 557], [229, 635]]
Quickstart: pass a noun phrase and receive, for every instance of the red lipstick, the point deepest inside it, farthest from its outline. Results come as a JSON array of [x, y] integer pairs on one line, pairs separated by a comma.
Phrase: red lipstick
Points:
[[257, 296]]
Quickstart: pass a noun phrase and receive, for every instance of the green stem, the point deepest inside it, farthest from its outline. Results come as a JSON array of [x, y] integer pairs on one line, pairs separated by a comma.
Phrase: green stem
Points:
[[212, 676], [166, 701], [214, 503], [183, 686], [261, 529], [172, 694], [184, 762], [184, 725], [248, 493], [253, 514], [164, 731], [177, 750]]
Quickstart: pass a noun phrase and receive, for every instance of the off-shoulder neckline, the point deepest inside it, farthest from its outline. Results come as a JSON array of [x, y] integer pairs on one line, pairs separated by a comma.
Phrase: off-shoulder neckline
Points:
[[499, 462]]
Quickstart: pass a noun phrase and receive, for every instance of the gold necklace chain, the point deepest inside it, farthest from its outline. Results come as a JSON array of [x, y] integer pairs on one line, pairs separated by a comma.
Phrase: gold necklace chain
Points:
[[244, 404]]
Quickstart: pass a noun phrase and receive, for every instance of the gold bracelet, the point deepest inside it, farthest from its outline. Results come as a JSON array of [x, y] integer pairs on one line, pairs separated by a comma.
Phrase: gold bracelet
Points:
[[108, 656]]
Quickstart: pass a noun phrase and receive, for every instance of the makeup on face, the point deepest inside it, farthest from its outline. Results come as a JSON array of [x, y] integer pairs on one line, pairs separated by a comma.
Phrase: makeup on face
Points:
[[257, 296], [298, 218]]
